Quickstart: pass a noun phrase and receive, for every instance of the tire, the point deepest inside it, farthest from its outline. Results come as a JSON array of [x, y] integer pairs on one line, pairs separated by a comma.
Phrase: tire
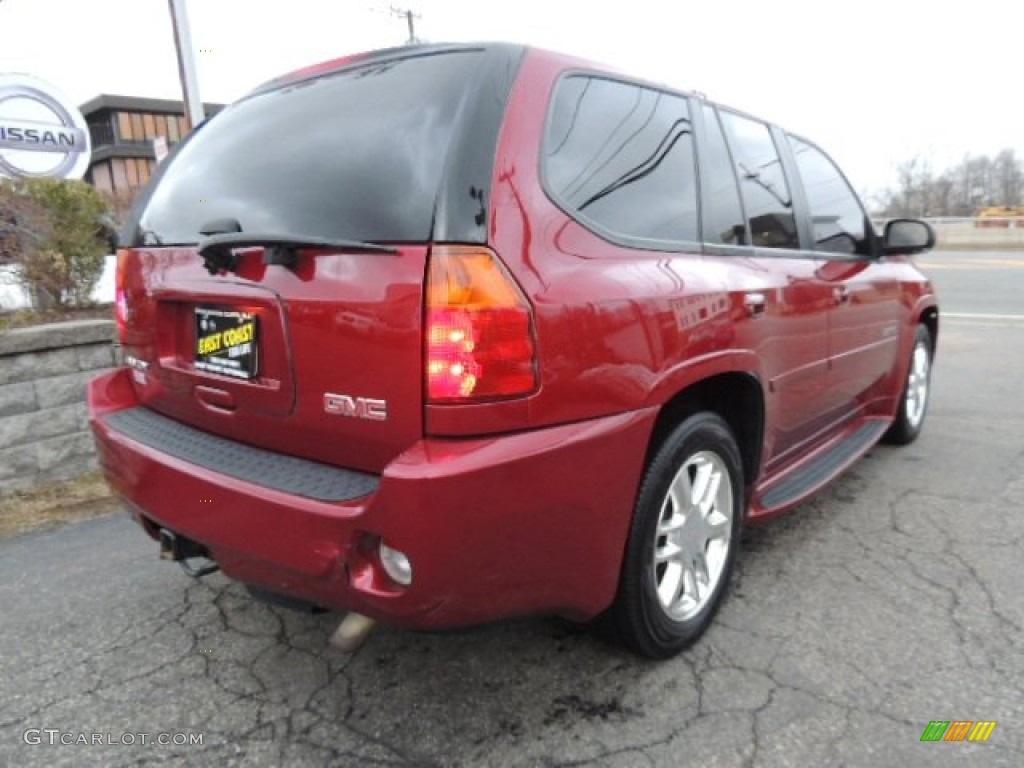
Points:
[[916, 391], [683, 541]]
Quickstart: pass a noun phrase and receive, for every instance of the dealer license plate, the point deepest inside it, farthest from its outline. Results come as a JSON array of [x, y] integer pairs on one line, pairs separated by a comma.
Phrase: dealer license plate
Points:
[[227, 342]]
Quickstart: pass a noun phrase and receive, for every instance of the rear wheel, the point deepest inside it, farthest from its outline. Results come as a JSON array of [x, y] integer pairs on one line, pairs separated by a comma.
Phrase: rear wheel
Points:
[[683, 540], [916, 392]]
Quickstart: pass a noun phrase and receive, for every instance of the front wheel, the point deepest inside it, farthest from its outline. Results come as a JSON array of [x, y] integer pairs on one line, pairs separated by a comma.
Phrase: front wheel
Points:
[[916, 390], [683, 541]]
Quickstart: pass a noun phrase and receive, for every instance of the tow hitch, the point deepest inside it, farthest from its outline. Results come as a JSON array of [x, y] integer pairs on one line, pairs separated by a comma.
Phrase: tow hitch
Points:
[[181, 550]]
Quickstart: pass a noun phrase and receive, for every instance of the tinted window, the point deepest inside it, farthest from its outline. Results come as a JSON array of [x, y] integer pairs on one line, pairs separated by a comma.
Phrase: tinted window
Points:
[[357, 154], [839, 221], [621, 157], [723, 214], [763, 183]]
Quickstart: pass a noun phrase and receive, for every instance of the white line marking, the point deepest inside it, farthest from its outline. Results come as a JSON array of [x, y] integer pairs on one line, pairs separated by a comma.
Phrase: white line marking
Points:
[[972, 316]]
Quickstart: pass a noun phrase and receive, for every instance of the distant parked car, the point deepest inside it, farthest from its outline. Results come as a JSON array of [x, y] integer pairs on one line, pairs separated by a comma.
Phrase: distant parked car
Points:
[[446, 334]]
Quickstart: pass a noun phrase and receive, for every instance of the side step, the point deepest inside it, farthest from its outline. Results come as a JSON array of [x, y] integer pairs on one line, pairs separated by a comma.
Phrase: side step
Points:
[[823, 468]]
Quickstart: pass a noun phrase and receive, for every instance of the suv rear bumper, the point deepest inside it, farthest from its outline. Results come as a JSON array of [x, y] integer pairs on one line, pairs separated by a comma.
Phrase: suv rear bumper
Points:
[[531, 522]]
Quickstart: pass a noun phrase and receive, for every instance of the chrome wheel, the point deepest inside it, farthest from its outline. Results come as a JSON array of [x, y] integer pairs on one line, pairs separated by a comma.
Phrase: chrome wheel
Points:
[[917, 385], [682, 542], [692, 537], [916, 390]]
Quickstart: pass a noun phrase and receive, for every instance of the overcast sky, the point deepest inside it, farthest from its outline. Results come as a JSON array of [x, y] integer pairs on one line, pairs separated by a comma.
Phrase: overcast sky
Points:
[[873, 81]]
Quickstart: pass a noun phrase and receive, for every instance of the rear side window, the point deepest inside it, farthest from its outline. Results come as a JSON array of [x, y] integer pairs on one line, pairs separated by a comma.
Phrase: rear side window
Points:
[[763, 184], [357, 154], [619, 157], [723, 213], [840, 224]]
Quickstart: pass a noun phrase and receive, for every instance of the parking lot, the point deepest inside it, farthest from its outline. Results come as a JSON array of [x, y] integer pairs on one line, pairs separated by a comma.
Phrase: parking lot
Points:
[[894, 599]]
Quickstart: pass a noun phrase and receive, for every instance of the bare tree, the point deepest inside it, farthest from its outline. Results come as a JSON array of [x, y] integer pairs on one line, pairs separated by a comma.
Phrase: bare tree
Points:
[[914, 178], [1008, 178], [942, 195], [976, 182], [979, 180]]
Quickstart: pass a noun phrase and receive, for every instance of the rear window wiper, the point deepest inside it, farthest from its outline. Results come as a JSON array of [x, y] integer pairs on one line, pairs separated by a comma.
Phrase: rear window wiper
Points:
[[218, 251]]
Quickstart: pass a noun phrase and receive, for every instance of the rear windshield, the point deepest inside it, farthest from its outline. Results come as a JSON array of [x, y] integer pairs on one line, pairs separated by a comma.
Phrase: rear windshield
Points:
[[357, 154]]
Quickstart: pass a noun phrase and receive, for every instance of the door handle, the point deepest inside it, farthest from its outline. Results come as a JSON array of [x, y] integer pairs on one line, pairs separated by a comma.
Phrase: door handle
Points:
[[215, 399], [755, 303], [841, 294]]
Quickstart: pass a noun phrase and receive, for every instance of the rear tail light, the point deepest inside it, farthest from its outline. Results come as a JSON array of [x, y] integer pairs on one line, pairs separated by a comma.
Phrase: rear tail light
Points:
[[120, 299], [479, 329]]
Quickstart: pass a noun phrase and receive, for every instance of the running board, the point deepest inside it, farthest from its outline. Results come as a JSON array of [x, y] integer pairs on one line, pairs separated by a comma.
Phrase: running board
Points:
[[808, 478]]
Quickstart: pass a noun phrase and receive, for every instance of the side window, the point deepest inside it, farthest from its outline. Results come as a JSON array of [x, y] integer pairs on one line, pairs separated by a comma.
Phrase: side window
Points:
[[838, 218], [722, 214], [620, 158], [762, 182]]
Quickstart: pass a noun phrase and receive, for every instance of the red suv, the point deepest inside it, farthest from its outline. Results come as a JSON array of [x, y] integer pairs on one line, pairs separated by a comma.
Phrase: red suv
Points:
[[447, 334]]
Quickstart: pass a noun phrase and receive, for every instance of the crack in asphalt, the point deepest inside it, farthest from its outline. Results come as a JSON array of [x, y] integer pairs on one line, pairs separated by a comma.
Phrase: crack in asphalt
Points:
[[306, 699]]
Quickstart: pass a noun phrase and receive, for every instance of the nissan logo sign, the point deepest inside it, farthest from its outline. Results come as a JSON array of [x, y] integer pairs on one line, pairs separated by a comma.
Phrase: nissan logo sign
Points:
[[41, 132]]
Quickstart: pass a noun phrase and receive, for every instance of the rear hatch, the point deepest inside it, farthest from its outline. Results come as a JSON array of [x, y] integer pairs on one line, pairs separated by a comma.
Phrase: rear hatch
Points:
[[303, 333]]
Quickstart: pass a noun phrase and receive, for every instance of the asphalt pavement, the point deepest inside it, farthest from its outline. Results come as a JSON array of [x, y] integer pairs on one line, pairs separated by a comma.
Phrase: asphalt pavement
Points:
[[894, 599]]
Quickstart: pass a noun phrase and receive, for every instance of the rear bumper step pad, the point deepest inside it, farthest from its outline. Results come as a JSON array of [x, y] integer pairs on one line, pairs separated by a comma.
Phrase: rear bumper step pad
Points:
[[288, 474]]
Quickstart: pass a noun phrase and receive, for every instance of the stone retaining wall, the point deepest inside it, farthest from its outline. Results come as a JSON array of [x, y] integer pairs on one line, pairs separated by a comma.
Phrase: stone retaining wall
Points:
[[44, 436]]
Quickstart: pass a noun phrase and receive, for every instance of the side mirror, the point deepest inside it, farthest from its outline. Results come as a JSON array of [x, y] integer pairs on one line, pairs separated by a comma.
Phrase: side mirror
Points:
[[907, 236]]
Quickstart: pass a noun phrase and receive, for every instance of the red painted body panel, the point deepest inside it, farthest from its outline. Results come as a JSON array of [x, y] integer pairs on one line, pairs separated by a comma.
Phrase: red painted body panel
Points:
[[493, 526], [340, 323]]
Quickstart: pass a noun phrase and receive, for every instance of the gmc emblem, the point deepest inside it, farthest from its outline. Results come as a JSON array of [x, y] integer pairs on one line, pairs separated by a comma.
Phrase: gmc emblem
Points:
[[368, 408]]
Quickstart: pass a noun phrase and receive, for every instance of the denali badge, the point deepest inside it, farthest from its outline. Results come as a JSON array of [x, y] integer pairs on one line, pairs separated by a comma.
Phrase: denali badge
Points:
[[368, 408]]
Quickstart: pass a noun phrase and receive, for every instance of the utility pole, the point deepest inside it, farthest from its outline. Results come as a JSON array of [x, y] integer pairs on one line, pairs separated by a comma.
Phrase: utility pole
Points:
[[409, 19], [186, 62]]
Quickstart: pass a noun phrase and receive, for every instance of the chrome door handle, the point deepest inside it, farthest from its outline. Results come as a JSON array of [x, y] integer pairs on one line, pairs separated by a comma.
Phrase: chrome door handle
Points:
[[755, 303]]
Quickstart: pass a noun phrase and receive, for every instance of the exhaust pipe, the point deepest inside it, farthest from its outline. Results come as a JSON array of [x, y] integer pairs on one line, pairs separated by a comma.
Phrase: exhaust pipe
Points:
[[352, 632]]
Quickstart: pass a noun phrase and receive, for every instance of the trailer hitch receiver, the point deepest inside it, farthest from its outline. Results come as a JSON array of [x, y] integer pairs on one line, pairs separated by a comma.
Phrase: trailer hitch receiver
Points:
[[181, 550]]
